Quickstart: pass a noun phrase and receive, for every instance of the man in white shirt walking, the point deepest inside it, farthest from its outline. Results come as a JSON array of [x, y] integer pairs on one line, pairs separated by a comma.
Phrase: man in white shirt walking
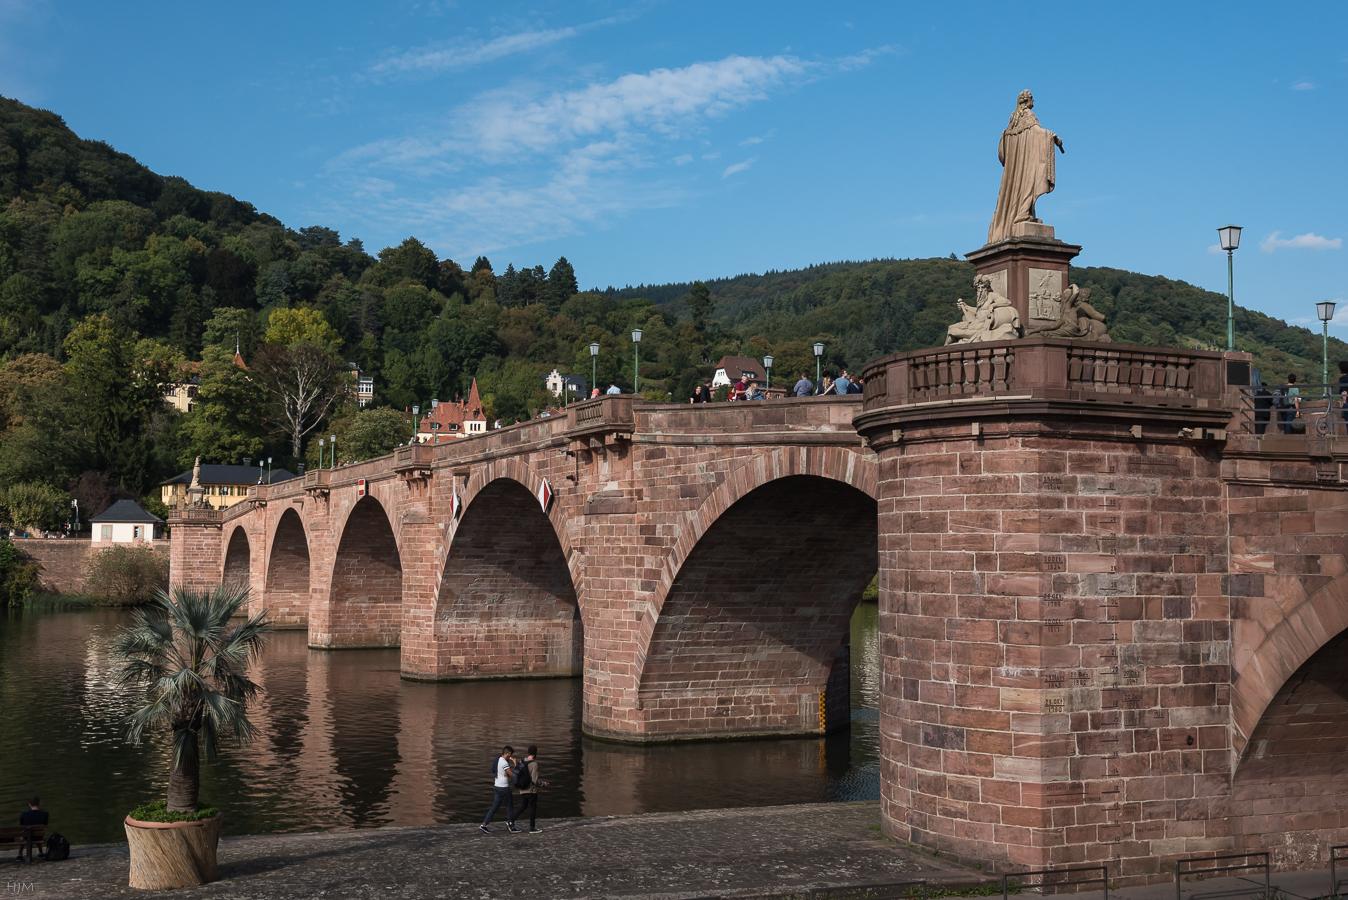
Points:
[[505, 764]]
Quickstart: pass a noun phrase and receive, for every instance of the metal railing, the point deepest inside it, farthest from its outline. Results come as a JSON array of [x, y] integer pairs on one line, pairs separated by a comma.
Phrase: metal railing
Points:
[[1317, 409], [1334, 860], [1102, 879], [1193, 860]]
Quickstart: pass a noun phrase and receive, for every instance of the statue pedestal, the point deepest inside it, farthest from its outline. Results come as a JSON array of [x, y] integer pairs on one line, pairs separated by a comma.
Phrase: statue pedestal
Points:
[[1029, 271]]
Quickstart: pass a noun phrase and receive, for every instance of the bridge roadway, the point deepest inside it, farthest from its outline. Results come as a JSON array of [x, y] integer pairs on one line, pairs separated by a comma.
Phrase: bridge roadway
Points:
[[1114, 624]]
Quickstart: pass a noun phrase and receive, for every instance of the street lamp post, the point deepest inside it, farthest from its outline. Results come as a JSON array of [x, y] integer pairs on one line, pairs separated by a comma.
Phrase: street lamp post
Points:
[[636, 360], [332, 444], [268, 470], [320, 454], [767, 365], [416, 411], [75, 505], [1325, 309], [818, 375], [1230, 240], [594, 356]]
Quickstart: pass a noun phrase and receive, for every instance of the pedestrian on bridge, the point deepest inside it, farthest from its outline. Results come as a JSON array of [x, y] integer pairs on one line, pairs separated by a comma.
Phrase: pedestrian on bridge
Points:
[[504, 768], [527, 781], [804, 387], [1343, 390]]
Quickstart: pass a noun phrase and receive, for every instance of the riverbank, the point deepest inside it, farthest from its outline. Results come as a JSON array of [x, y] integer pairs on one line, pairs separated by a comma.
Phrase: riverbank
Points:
[[764, 852]]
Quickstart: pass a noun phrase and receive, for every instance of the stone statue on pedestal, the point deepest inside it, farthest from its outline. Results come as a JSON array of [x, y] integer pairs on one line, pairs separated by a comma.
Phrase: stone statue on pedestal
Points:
[[992, 319], [1026, 153], [196, 494]]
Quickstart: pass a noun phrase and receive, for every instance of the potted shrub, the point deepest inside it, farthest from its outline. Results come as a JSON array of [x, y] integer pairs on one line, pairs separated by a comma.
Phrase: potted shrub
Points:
[[193, 665]]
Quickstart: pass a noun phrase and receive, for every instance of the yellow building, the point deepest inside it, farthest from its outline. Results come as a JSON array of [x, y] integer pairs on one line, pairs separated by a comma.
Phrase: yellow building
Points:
[[224, 485]]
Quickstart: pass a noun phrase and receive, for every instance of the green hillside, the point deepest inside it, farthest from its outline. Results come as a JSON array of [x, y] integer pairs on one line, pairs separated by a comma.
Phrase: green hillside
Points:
[[115, 280]]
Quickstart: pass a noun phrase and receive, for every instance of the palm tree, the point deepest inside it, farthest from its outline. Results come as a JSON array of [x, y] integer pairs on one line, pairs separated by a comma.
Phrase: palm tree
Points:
[[193, 665]]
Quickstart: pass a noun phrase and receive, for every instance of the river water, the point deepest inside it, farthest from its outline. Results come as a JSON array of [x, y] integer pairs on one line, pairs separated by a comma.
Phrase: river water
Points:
[[343, 742]]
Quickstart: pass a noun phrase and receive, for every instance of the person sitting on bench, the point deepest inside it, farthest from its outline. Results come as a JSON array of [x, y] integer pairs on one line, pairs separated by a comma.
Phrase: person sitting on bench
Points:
[[33, 816]]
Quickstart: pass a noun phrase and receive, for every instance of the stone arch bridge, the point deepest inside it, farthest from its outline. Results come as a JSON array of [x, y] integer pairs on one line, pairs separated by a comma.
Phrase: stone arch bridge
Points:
[[1114, 620]]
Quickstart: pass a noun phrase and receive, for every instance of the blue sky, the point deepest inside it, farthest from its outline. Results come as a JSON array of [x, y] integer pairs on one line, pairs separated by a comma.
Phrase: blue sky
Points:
[[661, 141]]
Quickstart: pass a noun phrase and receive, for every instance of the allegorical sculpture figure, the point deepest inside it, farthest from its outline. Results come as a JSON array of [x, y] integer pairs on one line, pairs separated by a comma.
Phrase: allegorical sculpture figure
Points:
[[1026, 153], [1077, 319], [993, 318]]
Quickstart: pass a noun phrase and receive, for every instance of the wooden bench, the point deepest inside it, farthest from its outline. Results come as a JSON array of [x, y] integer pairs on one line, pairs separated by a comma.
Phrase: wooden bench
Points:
[[23, 836]]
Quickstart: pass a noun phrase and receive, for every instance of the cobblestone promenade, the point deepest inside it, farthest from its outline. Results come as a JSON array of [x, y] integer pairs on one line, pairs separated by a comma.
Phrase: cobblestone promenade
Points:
[[770, 852]]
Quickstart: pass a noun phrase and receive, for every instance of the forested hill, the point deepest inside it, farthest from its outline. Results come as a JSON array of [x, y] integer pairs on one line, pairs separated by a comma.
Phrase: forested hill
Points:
[[116, 281]]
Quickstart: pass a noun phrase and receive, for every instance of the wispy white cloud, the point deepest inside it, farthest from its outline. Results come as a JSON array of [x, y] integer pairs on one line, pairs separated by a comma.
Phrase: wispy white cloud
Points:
[[866, 57], [739, 167], [1304, 85], [665, 101], [463, 54], [753, 140], [1308, 241], [528, 163]]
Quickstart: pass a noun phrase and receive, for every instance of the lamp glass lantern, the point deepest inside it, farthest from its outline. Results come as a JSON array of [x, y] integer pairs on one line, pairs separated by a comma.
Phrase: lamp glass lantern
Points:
[[594, 357], [636, 360], [1229, 235], [1325, 310]]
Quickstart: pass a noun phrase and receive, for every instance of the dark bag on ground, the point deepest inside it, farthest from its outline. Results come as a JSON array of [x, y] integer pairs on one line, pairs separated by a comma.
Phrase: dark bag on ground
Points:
[[58, 848], [523, 778]]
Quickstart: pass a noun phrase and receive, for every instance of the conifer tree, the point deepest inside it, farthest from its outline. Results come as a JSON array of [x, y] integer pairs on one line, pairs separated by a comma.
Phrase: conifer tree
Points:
[[561, 285]]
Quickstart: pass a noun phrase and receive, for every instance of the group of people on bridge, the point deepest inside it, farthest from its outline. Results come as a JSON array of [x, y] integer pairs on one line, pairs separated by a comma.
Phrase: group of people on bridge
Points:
[[747, 389]]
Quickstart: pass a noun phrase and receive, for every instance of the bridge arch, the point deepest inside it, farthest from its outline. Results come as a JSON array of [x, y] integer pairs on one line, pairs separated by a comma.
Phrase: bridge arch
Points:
[[751, 627], [287, 584], [1298, 750], [512, 469], [238, 559], [1261, 671], [507, 605], [365, 598]]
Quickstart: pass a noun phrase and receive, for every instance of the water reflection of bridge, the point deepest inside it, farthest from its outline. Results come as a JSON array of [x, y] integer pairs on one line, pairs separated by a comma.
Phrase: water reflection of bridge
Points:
[[1098, 597]]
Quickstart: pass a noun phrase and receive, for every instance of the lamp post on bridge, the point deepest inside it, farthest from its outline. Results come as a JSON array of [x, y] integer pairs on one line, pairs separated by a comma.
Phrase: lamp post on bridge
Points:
[[1325, 309], [1230, 239], [332, 442], [636, 360], [594, 356], [320, 454], [767, 366], [818, 375], [416, 411]]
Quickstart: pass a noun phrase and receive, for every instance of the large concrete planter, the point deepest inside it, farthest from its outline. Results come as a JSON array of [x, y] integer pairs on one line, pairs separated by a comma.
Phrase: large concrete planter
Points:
[[173, 854]]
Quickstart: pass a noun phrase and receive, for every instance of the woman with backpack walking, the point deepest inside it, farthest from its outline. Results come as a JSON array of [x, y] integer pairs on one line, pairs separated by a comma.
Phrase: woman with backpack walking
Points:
[[526, 779]]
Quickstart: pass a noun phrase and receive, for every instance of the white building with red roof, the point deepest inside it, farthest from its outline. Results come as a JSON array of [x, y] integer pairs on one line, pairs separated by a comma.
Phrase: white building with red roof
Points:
[[452, 419]]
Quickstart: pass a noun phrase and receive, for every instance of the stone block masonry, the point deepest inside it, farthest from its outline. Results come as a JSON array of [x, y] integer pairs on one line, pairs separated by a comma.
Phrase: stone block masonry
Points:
[[62, 562]]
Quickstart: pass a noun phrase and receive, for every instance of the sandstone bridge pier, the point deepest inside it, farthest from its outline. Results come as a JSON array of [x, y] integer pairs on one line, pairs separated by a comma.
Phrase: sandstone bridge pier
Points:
[[1114, 620]]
